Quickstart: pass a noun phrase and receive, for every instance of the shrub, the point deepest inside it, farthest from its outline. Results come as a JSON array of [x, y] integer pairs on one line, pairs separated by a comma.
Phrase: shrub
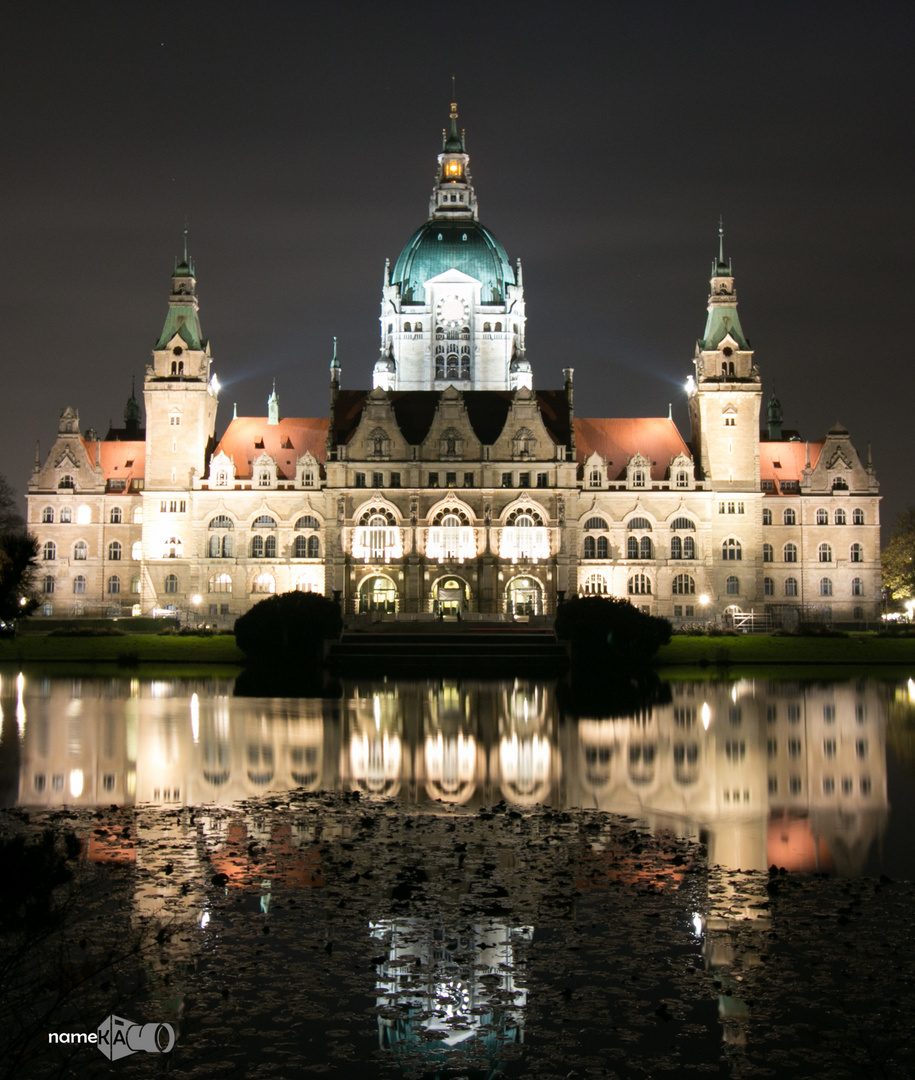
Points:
[[610, 629], [287, 627]]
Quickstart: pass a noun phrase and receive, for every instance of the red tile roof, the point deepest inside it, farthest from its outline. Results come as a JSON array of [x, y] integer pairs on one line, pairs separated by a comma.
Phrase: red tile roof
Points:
[[780, 461], [247, 437], [618, 439], [119, 460]]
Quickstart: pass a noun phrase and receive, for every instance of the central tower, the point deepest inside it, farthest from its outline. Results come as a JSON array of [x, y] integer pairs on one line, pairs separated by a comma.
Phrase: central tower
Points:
[[452, 309]]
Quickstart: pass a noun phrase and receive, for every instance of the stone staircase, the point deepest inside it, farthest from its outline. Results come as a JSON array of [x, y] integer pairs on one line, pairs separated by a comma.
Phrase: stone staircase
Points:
[[490, 652]]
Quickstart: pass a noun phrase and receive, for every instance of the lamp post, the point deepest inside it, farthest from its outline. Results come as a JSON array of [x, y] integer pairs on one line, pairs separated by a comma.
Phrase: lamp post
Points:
[[195, 601], [704, 601]]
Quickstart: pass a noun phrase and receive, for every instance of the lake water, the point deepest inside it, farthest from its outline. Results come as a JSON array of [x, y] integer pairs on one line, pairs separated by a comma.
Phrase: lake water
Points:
[[465, 879]]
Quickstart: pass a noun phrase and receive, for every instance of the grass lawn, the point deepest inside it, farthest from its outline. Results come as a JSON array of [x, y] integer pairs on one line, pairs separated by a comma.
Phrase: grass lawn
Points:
[[137, 648], [856, 649]]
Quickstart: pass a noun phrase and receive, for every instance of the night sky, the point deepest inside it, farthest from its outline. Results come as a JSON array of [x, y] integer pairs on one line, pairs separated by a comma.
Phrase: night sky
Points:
[[299, 140]]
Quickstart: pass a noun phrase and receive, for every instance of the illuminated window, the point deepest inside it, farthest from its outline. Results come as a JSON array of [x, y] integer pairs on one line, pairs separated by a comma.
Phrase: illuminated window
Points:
[[524, 536], [264, 583], [594, 585], [81, 550], [684, 585], [66, 515], [451, 536], [220, 583], [173, 548], [377, 537]]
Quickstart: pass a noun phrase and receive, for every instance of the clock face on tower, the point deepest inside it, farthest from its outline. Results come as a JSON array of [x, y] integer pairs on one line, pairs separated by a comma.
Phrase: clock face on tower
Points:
[[452, 311]]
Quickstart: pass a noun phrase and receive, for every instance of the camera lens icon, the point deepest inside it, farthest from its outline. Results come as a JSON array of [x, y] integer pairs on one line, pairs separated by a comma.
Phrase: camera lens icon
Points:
[[118, 1037]]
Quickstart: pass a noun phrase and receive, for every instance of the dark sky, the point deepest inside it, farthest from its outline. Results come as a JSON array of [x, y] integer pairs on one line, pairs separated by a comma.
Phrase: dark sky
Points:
[[299, 140]]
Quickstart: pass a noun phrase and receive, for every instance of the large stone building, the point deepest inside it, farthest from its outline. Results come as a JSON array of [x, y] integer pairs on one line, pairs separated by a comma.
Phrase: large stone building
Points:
[[454, 484]]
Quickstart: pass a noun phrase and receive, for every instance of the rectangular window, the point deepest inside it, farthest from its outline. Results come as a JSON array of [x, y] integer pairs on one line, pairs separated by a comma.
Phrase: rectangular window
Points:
[[794, 747], [772, 747], [223, 609], [214, 609], [829, 714], [451, 479], [395, 479], [506, 479], [773, 785], [433, 479], [543, 479], [360, 479], [829, 747], [688, 610], [468, 479], [678, 611], [524, 480], [378, 480]]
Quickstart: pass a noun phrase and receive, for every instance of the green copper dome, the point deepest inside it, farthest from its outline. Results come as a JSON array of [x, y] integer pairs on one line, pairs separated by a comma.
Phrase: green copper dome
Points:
[[460, 245]]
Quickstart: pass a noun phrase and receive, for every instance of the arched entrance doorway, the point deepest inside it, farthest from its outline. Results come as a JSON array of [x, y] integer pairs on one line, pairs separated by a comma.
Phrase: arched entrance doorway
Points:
[[524, 596], [449, 597], [377, 594]]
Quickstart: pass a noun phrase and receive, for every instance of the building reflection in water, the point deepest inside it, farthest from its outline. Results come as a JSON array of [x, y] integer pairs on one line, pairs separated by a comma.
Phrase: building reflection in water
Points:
[[768, 773], [439, 989]]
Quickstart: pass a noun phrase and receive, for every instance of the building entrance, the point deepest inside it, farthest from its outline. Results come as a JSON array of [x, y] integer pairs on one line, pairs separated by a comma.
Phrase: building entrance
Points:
[[378, 594], [449, 598]]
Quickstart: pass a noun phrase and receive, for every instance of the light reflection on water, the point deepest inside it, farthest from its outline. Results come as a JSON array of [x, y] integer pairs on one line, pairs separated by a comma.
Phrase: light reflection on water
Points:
[[767, 773], [479, 936]]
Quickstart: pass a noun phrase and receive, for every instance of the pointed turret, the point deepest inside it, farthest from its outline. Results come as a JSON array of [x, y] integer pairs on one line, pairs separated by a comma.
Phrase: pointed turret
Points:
[[182, 318], [722, 318], [775, 418], [336, 372], [453, 196], [273, 407], [132, 413]]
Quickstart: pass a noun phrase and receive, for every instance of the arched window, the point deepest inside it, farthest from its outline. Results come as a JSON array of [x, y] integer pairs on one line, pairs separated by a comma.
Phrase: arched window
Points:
[[257, 547], [524, 535], [135, 585], [790, 586], [47, 584], [840, 517], [857, 587], [264, 583], [790, 517], [265, 521], [117, 515], [114, 551], [825, 586], [590, 547], [639, 524], [498, 328], [689, 547], [221, 521], [639, 585], [79, 585], [595, 523], [595, 478], [407, 328], [768, 587], [377, 536], [840, 484], [822, 517], [732, 586], [768, 553], [676, 547], [300, 548], [638, 478], [824, 553], [138, 515], [632, 547], [220, 583], [49, 551], [66, 515], [767, 516], [270, 547], [731, 551], [683, 524], [314, 547], [603, 547], [487, 328], [307, 521], [857, 517], [81, 550], [171, 583], [47, 516], [856, 553], [790, 552], [594, 585], [114, 585], [66, 483], [645, 547], [682, 478], [684, 585], [173, 548]]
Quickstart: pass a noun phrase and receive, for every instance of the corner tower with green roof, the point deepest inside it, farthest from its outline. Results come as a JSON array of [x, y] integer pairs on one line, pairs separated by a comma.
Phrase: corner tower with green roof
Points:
[[725, 395], [179, 391], [452, 308]]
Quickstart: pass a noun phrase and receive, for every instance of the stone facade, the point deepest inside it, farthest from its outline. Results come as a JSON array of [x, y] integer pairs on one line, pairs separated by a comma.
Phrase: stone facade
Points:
[[453, 486]]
